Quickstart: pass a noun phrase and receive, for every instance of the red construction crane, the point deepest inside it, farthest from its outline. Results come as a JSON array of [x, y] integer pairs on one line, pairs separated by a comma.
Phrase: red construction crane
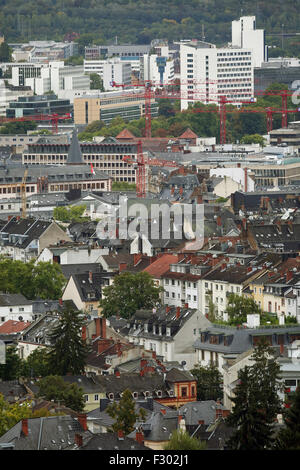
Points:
[[140, 164], [54, 118]]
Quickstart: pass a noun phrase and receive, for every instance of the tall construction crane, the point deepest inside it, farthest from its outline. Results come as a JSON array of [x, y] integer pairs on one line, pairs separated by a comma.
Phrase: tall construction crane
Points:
[[140, 164], [23, 194]]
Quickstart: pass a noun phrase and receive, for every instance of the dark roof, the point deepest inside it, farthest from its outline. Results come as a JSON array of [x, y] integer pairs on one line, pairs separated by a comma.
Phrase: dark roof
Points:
[[90, 288], [22, 232], [51, 433], [111, 441], [12, 390], [13, 299], [74, 152], [159, 426], [177, 375]]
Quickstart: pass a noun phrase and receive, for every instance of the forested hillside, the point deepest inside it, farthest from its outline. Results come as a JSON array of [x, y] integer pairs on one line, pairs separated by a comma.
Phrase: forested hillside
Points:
[[142, 20]]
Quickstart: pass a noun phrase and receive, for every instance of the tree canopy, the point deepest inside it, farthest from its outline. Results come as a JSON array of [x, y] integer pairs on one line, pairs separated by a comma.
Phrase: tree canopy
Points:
[[124, 413], [68, 350], [181, 440], [256, 403], [128, 293], [44, 279], [209, 382], [55, 388]]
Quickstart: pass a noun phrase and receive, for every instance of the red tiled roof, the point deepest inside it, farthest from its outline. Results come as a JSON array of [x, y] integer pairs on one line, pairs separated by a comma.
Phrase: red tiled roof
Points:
[[159, 267], [188, 134], [11, 326], [125, 134]]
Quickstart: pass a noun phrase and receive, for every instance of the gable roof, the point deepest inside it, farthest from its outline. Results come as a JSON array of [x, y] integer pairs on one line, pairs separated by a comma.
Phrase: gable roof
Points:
[[11, 326], [159, 267], [125, 134], [188, 134], [13, 299]]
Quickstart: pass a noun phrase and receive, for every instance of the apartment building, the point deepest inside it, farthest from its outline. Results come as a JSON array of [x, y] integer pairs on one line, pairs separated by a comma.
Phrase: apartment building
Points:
[[159, 69], [208, 72]]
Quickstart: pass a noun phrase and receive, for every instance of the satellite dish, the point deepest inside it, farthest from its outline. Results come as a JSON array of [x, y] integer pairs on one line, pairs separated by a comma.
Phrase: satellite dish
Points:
[[20, 318]]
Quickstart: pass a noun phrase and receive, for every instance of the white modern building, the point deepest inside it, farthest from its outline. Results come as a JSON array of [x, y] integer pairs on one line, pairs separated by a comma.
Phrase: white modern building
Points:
[[208, 72], [245, 35], [116, 71], [158, 69], [63, 80], [9, 94]]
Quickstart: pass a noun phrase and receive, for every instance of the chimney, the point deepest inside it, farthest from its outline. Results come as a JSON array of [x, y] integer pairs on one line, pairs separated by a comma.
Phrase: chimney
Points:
[[122, 267], [83, 333], [98, 327], [163, 411], [246, 179], [177, 312], [223, 266], [289, 276], [199, 199], [103, 327], [281, 349], [139, 437], [172, 190], [201, 421], [168, 309], [121, 435], [136, 258], [180, 190], [60, 302], [244, 222], [25, 427], [153, 354], [78, 440], [249, 269], [82, 419], [219, 223], [117, 373], [179, 419], [186, 305]]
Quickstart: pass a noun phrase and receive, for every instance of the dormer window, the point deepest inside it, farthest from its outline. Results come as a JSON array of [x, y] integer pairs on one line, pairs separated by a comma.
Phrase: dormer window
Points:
[[168, 331], [171, 393], [159, 393], [111, 396], [146, 327], [135, 395], [147, 394]]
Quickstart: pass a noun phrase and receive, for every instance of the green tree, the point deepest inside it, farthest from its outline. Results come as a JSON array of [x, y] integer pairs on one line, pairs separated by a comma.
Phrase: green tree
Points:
[[55, 388], [181, 440], [69, 213], [5, 52], [36, 364], [253, 139], [128, 293], [209, 382], [289, 436], [12, 369], [68, 350], [44, 279], [256, 403], [124, 413], [18, 127], [96, 82], [238, 307]]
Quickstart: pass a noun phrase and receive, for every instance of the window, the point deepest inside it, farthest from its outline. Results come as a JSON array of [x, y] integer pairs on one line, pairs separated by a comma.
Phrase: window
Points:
[[184, 392], [86, 398], [96, 398]]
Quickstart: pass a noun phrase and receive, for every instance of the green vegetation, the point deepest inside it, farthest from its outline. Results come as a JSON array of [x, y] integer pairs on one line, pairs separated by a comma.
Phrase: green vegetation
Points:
[[12, 413], [289, 436], [128, 293], [12, 369], [123, 186], [69, 214], [209, 382], [146, 20], [124, 413], [44, 279], [68, 350], [245, 127], [256, 403], [181, 440], [5, 52], [238, 307], [19, 127], [96, 82], [54, 388]]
